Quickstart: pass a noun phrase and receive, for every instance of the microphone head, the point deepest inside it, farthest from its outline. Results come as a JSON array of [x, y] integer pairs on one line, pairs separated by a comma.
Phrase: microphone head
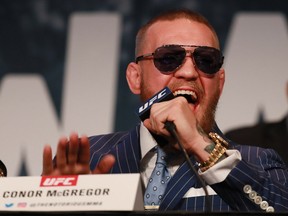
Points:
[[163, 95]]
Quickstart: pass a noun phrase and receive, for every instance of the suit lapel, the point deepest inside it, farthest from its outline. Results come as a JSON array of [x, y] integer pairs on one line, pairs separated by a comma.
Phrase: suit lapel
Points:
[[127, 153], [179, 184]]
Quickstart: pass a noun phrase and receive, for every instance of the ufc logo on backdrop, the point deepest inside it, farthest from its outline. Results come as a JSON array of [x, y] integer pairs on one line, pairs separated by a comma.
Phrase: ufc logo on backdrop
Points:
[[58, 181]]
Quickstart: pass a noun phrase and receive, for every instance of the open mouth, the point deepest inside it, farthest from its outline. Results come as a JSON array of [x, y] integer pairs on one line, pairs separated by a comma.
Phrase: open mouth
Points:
[[190, 96]]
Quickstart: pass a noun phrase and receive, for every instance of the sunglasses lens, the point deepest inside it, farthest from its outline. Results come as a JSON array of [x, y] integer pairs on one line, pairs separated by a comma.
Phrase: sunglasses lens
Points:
[[169, 58], [208, 59]]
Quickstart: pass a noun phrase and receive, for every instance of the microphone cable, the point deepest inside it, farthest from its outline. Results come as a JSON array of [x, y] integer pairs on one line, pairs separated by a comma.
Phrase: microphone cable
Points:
[[170, 126]]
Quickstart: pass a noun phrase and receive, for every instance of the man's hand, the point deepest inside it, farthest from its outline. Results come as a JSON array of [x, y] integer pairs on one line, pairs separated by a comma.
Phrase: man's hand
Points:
[[72, 158], [189, 132]]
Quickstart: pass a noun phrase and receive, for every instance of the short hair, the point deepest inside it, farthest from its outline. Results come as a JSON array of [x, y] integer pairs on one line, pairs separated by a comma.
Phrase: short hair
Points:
[[170, 16]]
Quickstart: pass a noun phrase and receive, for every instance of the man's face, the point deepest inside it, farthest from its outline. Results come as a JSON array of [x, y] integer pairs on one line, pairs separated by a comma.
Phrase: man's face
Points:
[[187, 79]]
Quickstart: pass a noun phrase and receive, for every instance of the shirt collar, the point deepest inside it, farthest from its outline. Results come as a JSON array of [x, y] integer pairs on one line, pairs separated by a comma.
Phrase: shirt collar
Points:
[[147, 142]]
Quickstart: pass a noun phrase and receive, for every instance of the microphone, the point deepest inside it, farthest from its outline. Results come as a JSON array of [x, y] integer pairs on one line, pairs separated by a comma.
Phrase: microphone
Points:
[[144, 112], [3, 170], [163, 95]]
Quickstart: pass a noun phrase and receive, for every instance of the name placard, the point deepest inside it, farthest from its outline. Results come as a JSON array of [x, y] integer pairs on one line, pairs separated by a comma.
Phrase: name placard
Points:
[[109, 192]]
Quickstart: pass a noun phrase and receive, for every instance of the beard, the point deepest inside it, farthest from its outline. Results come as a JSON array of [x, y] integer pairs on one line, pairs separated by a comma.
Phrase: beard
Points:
[[206, 118]]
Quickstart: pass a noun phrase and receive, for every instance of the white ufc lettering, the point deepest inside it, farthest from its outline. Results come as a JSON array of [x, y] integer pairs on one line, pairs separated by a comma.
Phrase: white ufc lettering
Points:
[[59, 181], [151, 100]]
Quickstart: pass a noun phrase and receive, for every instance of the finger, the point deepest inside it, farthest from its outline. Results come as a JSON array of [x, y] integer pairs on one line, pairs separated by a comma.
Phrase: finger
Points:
[[105, 164], [47, 161], [61, 157], [147, 123], [72, 156], [158, 116], [84, 153], [152, 126]]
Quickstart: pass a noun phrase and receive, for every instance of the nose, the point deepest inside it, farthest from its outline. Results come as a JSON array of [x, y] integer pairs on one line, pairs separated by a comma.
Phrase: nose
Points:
[[188, 69]]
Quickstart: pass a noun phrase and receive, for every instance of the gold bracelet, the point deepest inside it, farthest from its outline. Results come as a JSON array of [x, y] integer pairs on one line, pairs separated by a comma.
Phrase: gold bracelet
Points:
[[215, 137], [218, 151], [218, 148], [215, 155]]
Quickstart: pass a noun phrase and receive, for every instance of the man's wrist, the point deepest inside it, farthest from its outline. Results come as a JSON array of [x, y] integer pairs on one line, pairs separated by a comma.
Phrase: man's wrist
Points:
[[217, 151]]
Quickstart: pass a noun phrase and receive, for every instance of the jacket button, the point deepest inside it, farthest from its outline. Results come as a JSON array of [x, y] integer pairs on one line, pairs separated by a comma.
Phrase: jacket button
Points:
[[258, 200], [270, 209], [247, 189], [264, 205], [252, 195]]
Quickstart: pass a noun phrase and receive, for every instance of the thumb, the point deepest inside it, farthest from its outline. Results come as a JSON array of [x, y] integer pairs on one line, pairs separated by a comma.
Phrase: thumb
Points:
[[105, 164]]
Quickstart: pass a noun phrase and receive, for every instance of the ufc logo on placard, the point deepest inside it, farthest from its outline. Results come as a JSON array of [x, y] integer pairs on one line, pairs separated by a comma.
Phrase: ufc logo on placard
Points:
[[59, 181]]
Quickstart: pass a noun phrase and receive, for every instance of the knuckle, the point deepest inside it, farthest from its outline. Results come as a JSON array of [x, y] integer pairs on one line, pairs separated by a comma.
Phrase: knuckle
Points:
[[180, 101]]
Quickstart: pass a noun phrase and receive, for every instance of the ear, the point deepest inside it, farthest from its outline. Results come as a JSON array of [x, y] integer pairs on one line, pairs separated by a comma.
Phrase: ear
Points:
[[133, 77], [221, 79]]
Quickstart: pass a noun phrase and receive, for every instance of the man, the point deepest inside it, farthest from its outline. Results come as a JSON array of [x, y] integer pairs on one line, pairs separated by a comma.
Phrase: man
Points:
[[265, 134], [180, 49]]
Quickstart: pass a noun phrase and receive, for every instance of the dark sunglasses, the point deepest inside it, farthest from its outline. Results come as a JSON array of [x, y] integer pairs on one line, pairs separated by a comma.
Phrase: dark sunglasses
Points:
[[169, 58]]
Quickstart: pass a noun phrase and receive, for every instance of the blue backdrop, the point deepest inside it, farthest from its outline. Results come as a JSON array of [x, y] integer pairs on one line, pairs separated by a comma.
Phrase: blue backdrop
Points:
[[33, 36]]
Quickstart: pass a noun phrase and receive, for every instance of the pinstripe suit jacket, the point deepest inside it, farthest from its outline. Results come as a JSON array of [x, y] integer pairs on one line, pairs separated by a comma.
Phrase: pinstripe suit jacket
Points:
[[261, 168]]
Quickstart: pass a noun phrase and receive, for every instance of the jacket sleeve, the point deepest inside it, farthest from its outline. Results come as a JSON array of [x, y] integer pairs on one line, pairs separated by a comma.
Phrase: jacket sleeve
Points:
[[259, 182]]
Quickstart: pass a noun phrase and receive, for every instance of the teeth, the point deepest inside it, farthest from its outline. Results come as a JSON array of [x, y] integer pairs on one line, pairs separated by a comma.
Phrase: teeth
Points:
[[186, 93]]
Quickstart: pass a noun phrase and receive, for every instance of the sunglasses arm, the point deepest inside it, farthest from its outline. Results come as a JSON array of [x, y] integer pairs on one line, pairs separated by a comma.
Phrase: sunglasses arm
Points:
[[142, 57]]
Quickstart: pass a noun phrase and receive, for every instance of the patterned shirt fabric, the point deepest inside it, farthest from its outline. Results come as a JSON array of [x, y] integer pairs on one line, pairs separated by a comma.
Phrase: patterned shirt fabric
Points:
[[158, 180]]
